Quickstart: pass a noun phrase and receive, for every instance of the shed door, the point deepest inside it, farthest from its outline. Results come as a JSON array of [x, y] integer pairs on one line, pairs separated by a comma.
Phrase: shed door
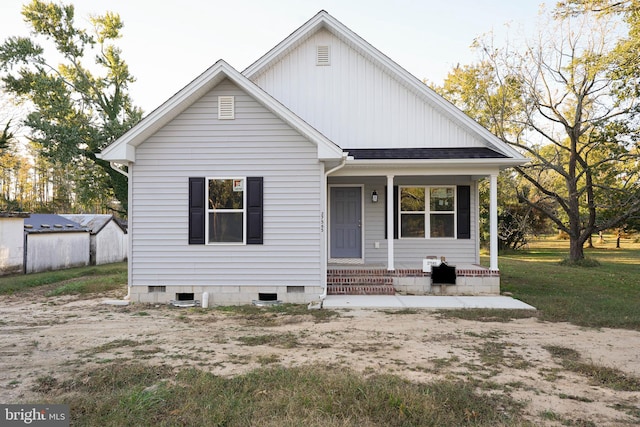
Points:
[[346, 222]]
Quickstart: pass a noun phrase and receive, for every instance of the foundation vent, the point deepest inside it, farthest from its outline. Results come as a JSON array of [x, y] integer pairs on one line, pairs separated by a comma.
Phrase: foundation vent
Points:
[[184, 297], [267, 296]]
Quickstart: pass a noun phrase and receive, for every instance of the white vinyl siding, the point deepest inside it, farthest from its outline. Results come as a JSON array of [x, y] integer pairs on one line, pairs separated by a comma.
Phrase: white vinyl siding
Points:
[[357, 104], [256, 143]]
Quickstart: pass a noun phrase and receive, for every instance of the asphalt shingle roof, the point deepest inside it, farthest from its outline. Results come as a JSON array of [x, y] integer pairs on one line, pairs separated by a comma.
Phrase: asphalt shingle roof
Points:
[[424, 153]]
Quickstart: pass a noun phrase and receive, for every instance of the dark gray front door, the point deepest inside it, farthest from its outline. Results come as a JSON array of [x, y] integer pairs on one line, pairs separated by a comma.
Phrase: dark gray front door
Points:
[[346, 222]]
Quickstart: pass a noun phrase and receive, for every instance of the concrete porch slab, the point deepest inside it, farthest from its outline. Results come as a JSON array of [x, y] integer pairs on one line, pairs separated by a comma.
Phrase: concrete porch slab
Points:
[[428, 302]]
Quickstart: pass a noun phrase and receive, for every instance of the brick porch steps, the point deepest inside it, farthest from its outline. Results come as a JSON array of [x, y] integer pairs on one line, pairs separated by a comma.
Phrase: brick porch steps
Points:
[[359, 289], [358, 282]]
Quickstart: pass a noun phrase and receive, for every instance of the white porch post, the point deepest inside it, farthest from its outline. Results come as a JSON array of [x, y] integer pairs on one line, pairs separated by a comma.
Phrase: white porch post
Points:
[[493, 220], [390, 213]]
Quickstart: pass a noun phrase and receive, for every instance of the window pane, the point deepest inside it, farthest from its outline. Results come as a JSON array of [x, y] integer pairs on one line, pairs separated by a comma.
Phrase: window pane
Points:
[[412, 199], [226, 193], [442, 225], [442, 199], [412, 225], [226, 227]]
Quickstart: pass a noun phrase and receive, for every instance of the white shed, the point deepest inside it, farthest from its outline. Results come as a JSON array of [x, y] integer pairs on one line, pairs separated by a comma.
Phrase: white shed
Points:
[[11, 242], [109, 240], [52, 242]]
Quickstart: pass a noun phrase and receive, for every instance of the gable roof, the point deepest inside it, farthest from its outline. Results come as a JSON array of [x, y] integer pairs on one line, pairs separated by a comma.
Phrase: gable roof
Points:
[[324, 21], [123, 149]]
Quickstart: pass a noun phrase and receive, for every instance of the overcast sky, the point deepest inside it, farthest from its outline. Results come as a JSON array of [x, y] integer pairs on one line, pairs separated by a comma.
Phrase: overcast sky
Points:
[[168, 43]]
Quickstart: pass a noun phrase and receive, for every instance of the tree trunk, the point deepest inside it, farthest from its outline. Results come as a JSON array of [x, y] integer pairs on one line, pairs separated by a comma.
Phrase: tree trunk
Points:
[[576, 249]]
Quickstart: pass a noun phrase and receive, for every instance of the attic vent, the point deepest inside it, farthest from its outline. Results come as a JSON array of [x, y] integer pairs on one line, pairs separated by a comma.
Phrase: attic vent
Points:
[[322, 55], [226, 108]]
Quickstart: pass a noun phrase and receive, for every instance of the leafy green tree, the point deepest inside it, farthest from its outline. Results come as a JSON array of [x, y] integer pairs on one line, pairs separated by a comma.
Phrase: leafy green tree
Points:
[[76, 111], [5, 137]]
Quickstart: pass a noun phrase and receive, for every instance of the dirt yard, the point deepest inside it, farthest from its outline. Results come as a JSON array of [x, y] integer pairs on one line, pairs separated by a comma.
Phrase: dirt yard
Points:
[[63, 336]]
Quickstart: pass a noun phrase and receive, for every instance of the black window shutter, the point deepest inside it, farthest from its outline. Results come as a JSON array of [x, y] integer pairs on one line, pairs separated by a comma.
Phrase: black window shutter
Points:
[[395, 212], [254, 210], [464, 211], [196, 211]]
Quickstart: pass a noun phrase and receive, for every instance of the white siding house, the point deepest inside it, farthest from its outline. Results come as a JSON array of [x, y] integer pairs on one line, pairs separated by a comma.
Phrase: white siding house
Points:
[[52, 242], [323, 167], [109, 240]]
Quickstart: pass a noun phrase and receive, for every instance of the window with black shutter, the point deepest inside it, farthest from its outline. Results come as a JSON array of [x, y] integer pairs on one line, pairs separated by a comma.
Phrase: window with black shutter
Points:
[[464, 211], [254, 210], [225, 210], [196, 211]]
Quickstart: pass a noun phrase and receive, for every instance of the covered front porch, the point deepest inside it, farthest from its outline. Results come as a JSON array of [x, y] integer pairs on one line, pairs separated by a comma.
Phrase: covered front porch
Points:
[[384, 220]]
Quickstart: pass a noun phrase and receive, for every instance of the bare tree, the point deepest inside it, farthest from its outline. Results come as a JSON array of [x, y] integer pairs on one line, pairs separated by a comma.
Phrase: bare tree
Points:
[[579, 134]]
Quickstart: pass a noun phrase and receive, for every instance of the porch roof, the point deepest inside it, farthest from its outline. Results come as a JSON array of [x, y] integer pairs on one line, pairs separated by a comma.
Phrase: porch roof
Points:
[[424, 153]]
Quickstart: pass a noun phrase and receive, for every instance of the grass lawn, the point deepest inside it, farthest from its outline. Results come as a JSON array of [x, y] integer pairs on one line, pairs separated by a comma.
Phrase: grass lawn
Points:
[[137, 394], [82, 280], [607, 295]]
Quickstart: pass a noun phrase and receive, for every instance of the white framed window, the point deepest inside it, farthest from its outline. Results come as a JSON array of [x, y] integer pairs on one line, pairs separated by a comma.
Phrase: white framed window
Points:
[[427, 211], [226, 212]]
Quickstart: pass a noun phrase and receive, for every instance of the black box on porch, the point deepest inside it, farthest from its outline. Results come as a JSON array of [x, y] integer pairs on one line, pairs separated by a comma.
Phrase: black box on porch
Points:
[[443, 274]]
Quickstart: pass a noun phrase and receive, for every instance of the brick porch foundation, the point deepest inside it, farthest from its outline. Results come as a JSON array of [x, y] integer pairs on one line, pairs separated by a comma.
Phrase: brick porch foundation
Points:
[[470, 280]]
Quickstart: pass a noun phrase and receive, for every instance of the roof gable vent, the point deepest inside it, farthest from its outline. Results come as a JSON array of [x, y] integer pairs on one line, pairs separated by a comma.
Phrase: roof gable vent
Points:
[[226, 108], [323, 56]]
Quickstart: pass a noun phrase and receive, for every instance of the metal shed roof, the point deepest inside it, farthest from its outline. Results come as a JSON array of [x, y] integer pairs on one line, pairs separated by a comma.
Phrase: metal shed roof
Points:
[[51, 223], [94, 222]]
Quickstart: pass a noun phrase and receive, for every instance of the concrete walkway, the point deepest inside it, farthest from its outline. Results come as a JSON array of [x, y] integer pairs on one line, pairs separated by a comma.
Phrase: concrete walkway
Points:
[[430, 302]]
